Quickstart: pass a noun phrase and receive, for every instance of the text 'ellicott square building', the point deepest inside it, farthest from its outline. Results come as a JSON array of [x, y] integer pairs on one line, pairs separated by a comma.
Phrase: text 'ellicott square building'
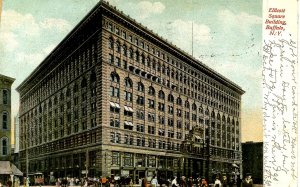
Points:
[[113, 98]]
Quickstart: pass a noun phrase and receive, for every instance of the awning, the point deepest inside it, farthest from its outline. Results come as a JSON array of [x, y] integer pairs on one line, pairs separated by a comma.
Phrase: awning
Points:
[[198, 137], [117, 105], [9, 169], [112, 104], [129, 109], [234, 165], [128, 123]]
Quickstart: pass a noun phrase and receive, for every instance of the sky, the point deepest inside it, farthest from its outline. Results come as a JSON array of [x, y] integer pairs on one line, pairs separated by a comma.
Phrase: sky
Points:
[[227, 36]]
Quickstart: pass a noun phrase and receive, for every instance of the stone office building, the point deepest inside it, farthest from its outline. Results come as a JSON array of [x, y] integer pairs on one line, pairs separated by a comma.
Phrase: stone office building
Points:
[[114, 98]]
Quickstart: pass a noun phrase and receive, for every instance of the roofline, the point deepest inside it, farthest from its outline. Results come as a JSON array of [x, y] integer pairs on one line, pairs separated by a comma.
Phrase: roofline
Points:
[[155, 36], [7, 78]]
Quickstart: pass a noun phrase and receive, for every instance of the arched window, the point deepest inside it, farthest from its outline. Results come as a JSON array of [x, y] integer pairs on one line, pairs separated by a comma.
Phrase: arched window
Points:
[[213, 114], [194, 107], [141, 87], [4, 146], [114, 77], [228, 120], [50, 103], [179, 101], [4, 121], [151, 91], [200, 110], [83, 83], [161, 94], [111, 43], [5, 97], [187, 104], [232, 122], [128, 82], [170, 98]]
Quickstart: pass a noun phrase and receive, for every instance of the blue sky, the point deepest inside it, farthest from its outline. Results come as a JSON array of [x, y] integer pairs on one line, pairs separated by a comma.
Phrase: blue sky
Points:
[[227, 37]]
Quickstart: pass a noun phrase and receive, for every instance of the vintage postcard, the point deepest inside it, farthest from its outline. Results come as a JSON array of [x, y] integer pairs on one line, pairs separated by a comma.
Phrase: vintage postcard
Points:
[[149, 92]]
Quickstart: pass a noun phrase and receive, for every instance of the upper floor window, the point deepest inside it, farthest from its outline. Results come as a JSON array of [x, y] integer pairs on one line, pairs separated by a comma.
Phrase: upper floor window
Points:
[[4, 121], [151, 91], [4, 146], [111, 43], [128, 82], [83, 83], [171, 98], [179, 101], [118, 47], [114, 77], [5, 97], [124, 50], [141, 87], [161, 94], [194, 107], [187, 104]]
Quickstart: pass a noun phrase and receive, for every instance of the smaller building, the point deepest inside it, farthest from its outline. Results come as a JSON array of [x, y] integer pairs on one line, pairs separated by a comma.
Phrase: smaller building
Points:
[[253, 160]]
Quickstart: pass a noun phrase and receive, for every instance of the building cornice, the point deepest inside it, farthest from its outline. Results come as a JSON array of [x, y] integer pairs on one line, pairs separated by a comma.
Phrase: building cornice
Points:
[[105, 9]]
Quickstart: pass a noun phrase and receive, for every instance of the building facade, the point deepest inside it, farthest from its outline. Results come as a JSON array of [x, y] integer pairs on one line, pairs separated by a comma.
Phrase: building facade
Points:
[[253, 160], [5, 120], [114, 98]]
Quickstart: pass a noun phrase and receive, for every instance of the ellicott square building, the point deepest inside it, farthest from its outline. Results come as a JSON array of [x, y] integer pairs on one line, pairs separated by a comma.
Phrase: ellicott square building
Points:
[[114, 98]]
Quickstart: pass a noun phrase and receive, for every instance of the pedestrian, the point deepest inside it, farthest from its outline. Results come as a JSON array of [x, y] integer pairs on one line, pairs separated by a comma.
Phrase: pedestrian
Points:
[[9, 183], [203, 183], [154, 181], [144, 182], [217, 182], [183, 182], [174, 182], [247, 182], [224, 181]]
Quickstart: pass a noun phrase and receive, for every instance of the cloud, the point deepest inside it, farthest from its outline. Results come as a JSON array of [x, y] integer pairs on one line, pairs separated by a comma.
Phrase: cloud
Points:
[[242, 21], [145, 9], [8, 41], [59, 24], [32, 59]]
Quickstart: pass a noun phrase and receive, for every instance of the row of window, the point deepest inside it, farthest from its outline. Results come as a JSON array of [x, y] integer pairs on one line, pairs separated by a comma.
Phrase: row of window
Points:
[[140, 57]]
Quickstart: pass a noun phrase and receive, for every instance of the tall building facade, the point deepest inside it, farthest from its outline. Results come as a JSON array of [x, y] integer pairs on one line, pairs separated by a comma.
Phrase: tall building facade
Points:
[[114, 98], [5, 119]]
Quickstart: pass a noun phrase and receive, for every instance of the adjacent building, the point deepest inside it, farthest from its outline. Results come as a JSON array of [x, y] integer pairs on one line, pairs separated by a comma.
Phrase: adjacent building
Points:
[[114, 98], [5, 127], [253, 160]]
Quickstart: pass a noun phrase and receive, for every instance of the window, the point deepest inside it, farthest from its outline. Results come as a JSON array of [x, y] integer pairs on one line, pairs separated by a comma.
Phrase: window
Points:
[[128, 82], [140, 128], [140, 87], [151, 103], [151, 130], [110, 58], [5, 97], [179, 101], [114, 92], [114, 77], [161, 132], [4, 121], [114, 122], [140, 114], [128, 125], [161, 94], [171, 110], [171, 98], [128, 96], [179, 113], [179, 124], [151, 91], [124, 50], [115, 158], [170, 122], [111, 43], [124, 64], [128, 159], [194, 107], [161, 106], [187, 104], [130, 53], [151, 117], [118, 47], [115, 137], [124, 34], [118, 61], [4, 146], [140, 100]]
